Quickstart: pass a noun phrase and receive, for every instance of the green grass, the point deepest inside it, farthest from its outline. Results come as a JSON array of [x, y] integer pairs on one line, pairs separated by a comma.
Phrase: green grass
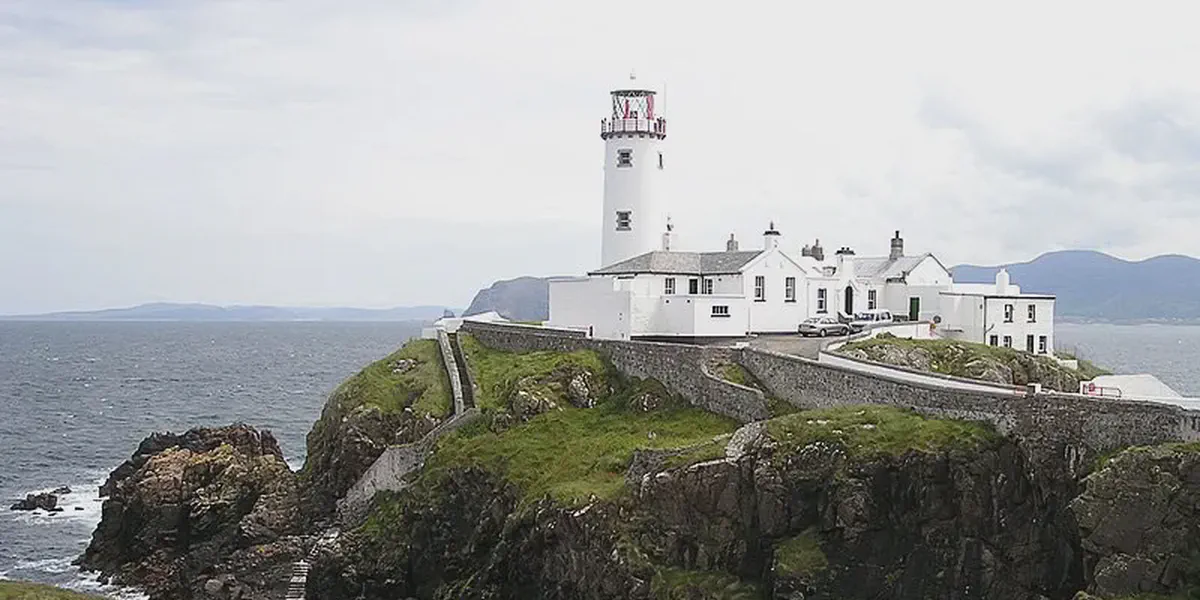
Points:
[[876, 431], [14, 590], [496, 372], [574, 454], [425, 387], [681, 584], [800, 555], [710, 450]]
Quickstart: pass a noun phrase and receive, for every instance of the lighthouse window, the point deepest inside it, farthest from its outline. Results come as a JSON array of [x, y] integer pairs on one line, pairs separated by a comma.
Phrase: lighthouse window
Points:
[[625, 158], [660, 160], [624, 220]]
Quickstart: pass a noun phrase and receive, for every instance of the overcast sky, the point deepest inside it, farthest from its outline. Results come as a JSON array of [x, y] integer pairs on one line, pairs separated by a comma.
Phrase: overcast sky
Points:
[[382, 152]]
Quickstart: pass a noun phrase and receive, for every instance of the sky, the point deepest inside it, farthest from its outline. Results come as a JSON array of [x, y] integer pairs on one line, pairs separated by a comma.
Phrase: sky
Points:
[[400, 152]]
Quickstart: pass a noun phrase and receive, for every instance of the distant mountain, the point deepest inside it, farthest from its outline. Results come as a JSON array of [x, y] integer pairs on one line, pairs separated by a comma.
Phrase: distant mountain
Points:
[[1094, 285], [208, 312], [520, 299]]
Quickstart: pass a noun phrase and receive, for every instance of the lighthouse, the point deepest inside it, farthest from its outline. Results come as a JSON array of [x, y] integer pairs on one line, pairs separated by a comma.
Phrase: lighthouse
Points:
[[635, 213]]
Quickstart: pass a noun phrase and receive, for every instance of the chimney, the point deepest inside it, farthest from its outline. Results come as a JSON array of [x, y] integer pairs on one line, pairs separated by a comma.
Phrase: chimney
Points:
[[897, 246], [817, 252], [770, 237], [845, 262], [668, 237], [1002, 282], [731, 245]]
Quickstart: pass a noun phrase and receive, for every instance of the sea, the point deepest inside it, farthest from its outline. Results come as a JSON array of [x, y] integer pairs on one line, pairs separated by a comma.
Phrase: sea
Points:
[[76, 399]]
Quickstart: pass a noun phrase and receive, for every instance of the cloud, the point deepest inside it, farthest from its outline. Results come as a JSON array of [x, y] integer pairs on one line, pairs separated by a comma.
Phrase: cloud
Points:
[[386, 152]]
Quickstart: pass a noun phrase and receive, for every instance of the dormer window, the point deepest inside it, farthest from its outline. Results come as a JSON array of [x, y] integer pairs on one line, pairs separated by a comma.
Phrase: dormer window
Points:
[[625, 157]]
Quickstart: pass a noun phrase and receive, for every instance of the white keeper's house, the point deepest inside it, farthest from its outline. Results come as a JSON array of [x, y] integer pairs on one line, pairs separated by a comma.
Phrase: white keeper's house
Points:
[[647, 288]]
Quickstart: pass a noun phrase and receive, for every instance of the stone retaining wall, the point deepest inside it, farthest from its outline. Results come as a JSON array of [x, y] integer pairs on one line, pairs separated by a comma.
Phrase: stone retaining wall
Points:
[[451, 366], [678, 367], [389, 472]]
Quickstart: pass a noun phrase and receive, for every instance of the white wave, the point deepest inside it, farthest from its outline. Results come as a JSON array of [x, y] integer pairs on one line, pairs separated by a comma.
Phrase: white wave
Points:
[[90, 584], [80, 508]]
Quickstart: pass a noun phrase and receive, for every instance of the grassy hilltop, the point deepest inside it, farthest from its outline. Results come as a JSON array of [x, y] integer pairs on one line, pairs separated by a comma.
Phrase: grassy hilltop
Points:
[[16, 590]]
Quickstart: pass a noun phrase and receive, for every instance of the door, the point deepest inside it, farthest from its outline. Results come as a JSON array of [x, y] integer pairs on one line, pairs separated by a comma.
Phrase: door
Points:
[[849, 301], [914, 309]]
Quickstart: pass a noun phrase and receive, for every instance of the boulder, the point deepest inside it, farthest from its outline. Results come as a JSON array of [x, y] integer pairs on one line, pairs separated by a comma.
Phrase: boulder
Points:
[[43, 501]]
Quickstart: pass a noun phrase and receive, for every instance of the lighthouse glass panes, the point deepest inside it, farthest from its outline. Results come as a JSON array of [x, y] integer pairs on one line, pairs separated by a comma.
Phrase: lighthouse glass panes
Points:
[[624, 220], [624, 158]]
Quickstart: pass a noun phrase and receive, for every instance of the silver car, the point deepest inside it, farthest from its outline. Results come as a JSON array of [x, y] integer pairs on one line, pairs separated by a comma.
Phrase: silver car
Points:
[[823, 326]]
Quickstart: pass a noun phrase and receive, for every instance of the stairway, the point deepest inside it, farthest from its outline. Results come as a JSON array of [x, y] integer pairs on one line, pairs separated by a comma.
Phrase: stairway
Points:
[[299, 580]]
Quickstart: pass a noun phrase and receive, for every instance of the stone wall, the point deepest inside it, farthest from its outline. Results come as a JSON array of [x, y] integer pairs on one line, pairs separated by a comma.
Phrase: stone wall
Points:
[[678, 367], [1075, 428], [452, 371]]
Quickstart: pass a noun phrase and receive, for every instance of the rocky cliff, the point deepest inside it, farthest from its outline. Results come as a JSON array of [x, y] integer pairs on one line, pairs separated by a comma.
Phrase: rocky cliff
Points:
[[577, 482]]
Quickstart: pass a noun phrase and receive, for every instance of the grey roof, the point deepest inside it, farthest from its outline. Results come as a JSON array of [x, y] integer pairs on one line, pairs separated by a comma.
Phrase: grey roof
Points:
[[883, 267], [684, 263]]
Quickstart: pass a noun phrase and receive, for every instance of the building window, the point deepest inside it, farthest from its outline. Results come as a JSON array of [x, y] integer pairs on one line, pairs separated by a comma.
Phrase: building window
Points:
[[1008, 341], [625, 158], [624, 220], [708, 286], [693, 286], [660, 160], [872, 299], [789, 289], [720, 310], [822, 298], [1033, 313], [1029, 343], [1008, 313], [1042, 344], [760, 288], [669, 286], [994, 340]]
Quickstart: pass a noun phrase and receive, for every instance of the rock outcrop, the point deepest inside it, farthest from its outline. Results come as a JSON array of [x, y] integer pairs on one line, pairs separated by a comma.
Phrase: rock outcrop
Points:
[[211, 513], [1139, 522], [41, 501], [965, 359], [396, 400]]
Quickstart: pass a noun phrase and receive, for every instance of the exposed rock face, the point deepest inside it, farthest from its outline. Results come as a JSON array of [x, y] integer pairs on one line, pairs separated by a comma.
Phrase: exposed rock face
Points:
[[1139, 520], [949, 525], [211, 513], [534, 395]]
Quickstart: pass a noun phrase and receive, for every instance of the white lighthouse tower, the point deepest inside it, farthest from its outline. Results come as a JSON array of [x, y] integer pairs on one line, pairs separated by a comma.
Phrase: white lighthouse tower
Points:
[[635, 214]]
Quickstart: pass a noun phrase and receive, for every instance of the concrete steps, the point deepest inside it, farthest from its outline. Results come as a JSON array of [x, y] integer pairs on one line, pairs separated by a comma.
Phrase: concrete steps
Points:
[[298, 581]]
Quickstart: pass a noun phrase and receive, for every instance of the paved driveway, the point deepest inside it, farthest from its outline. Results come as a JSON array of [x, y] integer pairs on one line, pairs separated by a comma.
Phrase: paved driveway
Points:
[[794, 344]]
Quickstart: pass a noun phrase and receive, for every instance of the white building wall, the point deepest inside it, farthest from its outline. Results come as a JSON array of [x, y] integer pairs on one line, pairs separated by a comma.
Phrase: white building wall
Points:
[[1020, 327], [637, 189], [962, 318], [595, 303], [929, 272], [775, 314]]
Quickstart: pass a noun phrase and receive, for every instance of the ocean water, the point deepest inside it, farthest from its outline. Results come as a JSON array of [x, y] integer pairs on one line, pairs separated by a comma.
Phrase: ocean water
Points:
[[77, 398], [1169, 352]]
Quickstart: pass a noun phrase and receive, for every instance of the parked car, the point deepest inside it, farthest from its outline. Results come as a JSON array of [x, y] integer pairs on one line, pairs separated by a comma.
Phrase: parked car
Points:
[[870, 318], [823, 326]]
